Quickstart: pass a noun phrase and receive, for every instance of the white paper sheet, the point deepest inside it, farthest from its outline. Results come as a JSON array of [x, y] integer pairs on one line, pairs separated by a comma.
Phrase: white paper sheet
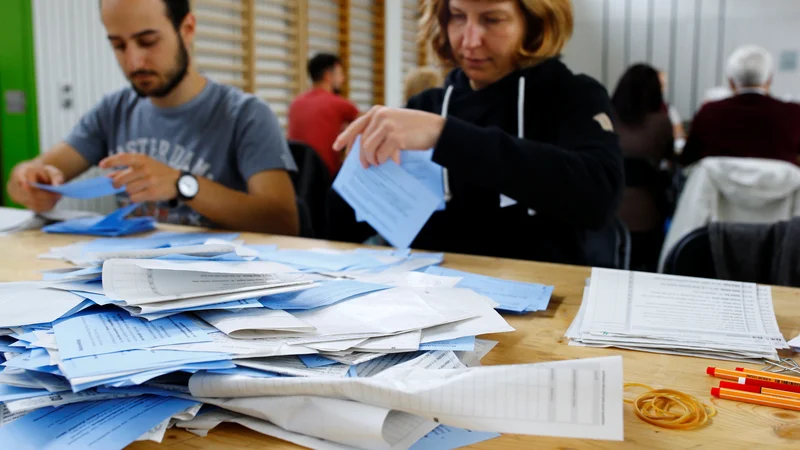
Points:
[[293, 366], [410, 280], [473, 358], [193, 250], [352, 424], [404, 342], [384, 312], [149, 281], [203, 424], [578, 399], [243, 348], [7, 416], [253, 323], [486, 319], [60, 399], [206, 300], [32, 306]]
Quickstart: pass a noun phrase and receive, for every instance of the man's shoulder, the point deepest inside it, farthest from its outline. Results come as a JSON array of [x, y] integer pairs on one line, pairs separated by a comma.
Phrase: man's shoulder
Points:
[[120, 99], [235, 102]]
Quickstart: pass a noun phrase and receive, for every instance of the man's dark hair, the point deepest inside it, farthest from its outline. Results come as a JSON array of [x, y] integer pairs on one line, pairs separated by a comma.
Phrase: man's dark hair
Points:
[[321, 63], [176, 11]]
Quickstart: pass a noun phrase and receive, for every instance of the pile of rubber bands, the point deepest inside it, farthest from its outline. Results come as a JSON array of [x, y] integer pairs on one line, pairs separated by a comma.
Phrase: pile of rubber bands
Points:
[[668, 408]]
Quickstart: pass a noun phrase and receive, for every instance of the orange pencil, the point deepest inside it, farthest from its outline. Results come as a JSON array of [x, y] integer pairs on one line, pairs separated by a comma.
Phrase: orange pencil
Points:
[[773, 379], [777, 376], [757, 389], [756, 399]]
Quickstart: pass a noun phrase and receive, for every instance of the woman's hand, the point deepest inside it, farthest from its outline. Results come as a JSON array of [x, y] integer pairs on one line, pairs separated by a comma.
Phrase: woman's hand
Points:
[[385, 131]]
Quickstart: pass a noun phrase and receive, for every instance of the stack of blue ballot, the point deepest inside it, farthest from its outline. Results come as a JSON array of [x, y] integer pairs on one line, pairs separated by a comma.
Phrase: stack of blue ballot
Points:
[[119, 337], [114, 224]]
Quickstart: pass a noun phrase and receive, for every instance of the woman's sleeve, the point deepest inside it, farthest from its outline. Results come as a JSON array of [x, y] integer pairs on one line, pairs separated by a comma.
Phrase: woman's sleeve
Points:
[[577, 180]]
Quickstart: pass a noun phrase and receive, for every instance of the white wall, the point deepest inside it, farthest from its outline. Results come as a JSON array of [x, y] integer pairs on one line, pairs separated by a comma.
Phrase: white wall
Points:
[[393, 54], [689, 39], [71, 51]]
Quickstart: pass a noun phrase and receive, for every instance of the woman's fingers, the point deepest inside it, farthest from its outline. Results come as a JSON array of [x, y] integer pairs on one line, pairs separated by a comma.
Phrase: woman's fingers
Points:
[[348, 136]]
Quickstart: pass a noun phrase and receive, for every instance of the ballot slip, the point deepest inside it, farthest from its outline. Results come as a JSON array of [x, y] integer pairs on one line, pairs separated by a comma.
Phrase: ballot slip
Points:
[[677, 315]]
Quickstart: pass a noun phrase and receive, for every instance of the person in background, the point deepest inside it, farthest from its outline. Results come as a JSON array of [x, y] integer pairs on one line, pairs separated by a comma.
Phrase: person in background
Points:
[[751, 123], [196, 152], [646, 137], [512, 120], [678, 132], [319, 115], [421, 79]]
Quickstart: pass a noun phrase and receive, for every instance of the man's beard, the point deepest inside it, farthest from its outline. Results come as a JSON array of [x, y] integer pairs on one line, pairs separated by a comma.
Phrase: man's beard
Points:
[[174, 78], [337, 91]]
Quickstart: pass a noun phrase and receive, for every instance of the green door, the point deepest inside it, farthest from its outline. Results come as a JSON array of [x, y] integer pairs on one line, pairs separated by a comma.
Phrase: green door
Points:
[[19, 131]]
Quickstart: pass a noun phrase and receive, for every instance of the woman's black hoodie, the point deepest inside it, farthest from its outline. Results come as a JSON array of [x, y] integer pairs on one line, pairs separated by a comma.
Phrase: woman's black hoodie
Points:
[[567, 168]]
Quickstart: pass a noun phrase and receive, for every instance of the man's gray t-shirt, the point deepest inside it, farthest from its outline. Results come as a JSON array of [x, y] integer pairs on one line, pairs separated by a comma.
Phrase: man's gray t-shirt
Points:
[[222, 134]]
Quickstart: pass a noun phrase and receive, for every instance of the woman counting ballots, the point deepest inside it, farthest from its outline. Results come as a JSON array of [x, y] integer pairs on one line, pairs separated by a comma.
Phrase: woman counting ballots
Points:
[[530, 159]]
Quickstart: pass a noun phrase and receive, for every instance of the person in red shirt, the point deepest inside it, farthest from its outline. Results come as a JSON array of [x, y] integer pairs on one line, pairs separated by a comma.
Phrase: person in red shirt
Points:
[[751, 124], [319, 115]]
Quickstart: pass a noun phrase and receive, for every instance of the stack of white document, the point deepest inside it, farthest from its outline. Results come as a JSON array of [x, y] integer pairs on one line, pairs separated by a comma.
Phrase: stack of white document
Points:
[[677, 315]]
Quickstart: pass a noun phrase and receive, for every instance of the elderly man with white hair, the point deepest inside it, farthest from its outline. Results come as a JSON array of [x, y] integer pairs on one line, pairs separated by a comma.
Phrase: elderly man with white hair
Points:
[[751, 123]]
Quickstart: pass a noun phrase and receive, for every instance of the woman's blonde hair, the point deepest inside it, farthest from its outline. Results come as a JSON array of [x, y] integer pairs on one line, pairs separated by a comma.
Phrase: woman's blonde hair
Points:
[[549, 25], [421, 79]]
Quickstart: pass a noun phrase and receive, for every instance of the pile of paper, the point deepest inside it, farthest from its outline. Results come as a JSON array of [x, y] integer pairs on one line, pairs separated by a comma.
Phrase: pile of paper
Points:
[[13, 220], [677, 315], [160, 325]]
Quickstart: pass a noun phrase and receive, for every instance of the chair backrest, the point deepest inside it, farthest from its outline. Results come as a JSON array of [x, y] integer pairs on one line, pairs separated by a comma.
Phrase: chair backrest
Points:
[[609, 247], [311, 183], [691, 256], [304, 217]]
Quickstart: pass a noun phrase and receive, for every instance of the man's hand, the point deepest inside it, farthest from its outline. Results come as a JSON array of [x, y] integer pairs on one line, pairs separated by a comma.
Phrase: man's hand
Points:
[[144, 178], [22, 190], [385, 131]]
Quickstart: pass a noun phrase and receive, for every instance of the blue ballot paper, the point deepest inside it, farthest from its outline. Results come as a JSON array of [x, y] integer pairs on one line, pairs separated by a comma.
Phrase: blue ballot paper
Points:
[[420, 164], [395, 203], [114, 224], [156, 240], [334, 262], [114, 331], [84, 189], [134, 360], [11, 393], [312, 361], [444, 437], [327, 293], [102, 425], [246, 372], [512, 296], [462, 344]]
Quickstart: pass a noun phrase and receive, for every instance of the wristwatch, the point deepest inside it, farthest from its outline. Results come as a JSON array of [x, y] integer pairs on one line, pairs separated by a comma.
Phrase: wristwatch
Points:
[[187, 186]]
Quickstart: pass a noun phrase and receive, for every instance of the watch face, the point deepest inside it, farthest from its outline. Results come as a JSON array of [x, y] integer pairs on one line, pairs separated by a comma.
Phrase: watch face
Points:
[[188, 186]]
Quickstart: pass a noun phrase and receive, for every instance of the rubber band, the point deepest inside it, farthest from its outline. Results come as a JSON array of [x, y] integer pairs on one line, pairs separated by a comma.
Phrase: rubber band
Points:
[[668, 408]]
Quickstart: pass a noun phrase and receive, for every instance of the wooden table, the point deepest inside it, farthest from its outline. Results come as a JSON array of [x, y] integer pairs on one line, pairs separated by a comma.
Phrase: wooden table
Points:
[[539, 338]]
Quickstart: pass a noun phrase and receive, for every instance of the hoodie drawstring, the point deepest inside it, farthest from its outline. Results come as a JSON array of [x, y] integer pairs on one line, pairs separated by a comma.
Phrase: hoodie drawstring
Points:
[[504, 200], [445, 177]]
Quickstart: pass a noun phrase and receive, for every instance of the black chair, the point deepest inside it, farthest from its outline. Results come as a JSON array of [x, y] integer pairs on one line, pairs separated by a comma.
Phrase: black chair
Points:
[[609, 247], [304, 217], [311, 183], [691, 256]]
